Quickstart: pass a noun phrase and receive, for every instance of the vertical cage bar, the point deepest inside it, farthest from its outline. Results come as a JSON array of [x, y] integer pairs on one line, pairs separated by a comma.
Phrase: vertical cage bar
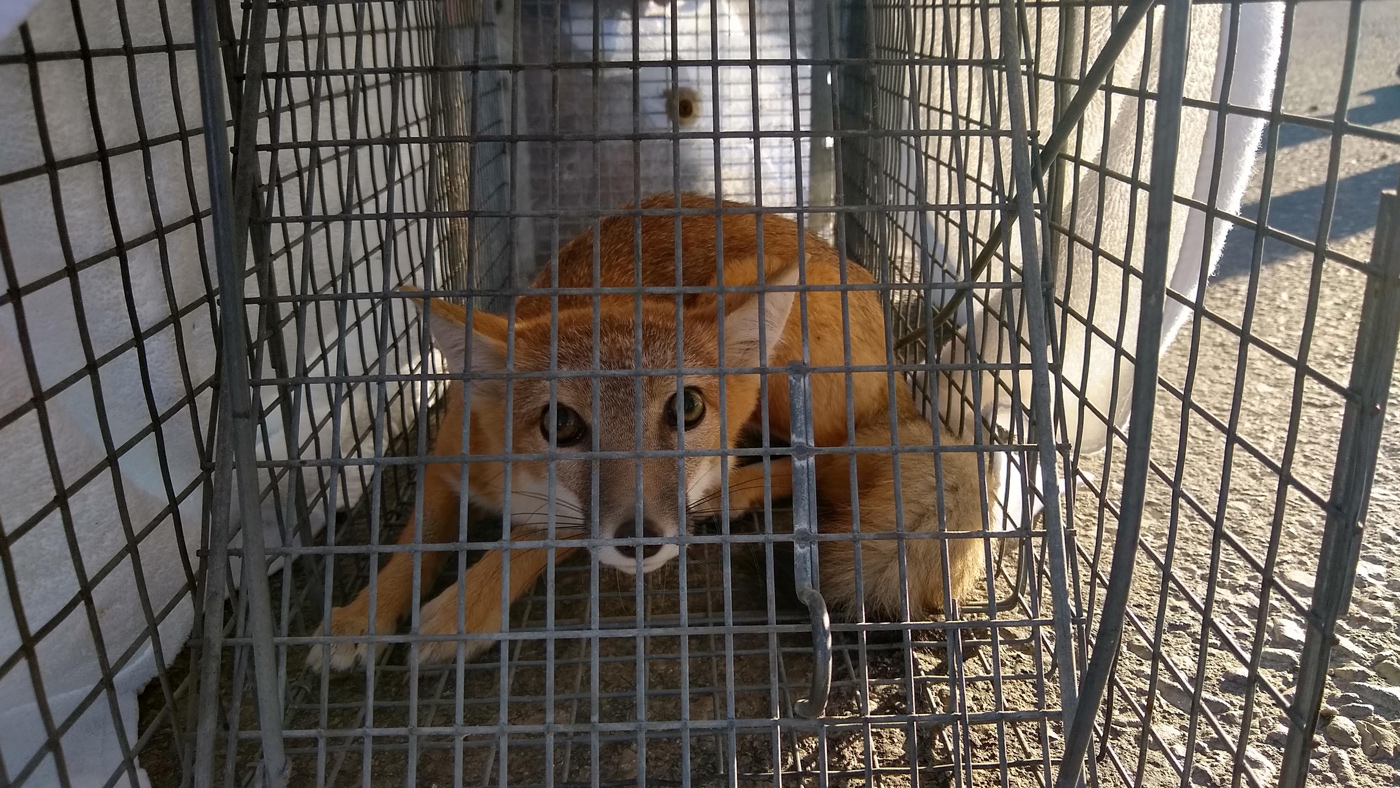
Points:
[[247, 191], [822, 150], [1038, 320], [1176, 33], [1357, 453], [215, 590], [235, 390]]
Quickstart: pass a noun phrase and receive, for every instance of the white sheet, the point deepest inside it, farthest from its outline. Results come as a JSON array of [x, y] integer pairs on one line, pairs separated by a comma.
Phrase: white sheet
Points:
[[100, 509]]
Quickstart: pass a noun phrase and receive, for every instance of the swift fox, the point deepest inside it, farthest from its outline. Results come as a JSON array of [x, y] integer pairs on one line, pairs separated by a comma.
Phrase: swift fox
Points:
[[632, 401]]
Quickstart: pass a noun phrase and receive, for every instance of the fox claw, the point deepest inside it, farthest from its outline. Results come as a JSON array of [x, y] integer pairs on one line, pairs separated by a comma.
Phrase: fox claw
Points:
[[344, 656]]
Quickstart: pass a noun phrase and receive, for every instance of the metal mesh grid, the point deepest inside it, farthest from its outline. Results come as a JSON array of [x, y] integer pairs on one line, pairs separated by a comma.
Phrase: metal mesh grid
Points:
[[621, 689], [602, 87], [104, 416], [1236, 561], [457, 146]]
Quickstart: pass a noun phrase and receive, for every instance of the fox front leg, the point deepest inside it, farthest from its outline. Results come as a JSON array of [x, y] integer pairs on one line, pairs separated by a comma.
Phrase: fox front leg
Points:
[[481, 613], [394, 586]]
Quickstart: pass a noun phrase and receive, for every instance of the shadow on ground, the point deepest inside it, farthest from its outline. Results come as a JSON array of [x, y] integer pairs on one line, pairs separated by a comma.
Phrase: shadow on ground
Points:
[[1299, 212]]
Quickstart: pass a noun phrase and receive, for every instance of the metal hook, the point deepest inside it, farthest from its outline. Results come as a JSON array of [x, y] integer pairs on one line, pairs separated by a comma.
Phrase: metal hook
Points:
[[804, 530]]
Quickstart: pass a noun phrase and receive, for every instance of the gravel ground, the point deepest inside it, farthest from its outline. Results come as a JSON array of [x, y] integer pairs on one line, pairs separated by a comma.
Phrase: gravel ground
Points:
[[686, 687]]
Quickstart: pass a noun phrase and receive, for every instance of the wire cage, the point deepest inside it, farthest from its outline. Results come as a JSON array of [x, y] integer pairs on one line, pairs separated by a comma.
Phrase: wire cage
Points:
[[221, 407]]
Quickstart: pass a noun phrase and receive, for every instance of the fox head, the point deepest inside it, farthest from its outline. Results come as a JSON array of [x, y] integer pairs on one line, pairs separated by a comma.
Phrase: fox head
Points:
[[597, 395]]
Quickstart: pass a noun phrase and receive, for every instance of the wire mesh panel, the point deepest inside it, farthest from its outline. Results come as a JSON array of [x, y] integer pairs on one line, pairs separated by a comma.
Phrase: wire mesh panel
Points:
[[107, 372], [1242, 555], [1010, 419], [694, 671]]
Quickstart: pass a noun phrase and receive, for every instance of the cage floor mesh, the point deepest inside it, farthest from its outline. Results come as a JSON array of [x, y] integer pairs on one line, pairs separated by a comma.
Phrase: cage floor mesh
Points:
[[670, 685]]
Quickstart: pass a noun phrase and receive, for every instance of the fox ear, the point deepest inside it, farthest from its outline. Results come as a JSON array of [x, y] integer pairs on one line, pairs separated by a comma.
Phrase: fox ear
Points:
[[741, 326], [448, 324]]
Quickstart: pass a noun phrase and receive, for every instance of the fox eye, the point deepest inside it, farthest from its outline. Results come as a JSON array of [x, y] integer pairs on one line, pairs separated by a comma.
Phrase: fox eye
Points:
[[567, 426], [693, 405]]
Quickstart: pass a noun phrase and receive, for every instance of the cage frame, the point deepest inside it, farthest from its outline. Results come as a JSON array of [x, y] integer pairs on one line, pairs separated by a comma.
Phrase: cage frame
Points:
[[231, 60]]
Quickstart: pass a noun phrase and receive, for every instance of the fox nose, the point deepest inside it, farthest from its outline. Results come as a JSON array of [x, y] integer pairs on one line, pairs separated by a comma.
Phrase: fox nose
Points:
[[646, 528]]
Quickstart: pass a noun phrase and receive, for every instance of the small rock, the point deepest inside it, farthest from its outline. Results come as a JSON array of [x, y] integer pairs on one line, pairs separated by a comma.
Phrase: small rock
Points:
[[1277, 736], [1200, 775], [1181, 698], [1140, 649], [1327, 711], [1378, 740], [1241, 599], [1348, 674], [624, 762], [1215, 703], [1357, 711], [1369, 572], [1340, 761], [1389, 671], [1387, 699], [1289, 634], [1347, 648], [1343, 733], [1279, 659], [1300, 581], [1235, 679], [942, 699], [1375, 606], [1263, 765]]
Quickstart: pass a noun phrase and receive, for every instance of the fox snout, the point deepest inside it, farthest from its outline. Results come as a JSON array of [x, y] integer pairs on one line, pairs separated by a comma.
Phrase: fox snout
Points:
[[639, 509], [653, 554]]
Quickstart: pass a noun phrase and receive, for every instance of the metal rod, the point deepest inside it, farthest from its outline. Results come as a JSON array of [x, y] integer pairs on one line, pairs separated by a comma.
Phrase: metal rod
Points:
[[1176, 34], [233, 352], [248, 212], [215, 589], [1357, 451], [804, 552], [1036, 315], [822, 154], [1048, 153]]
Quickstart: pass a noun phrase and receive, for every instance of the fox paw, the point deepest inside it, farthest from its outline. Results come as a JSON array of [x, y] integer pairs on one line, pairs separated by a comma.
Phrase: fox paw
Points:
[[345, 622], [439, 617]]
